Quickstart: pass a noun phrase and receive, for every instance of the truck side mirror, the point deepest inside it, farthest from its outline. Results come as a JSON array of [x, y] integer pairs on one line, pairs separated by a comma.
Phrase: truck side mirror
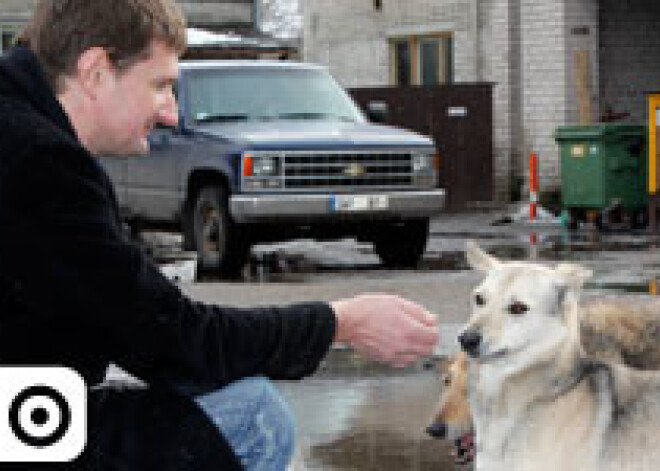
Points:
[[378, 111]]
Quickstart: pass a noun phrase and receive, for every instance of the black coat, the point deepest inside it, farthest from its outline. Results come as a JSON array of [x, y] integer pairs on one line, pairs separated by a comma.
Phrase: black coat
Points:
[[74, 292]]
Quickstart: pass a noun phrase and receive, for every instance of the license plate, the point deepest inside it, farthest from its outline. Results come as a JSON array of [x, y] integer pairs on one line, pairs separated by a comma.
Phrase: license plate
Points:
[[360, 202]]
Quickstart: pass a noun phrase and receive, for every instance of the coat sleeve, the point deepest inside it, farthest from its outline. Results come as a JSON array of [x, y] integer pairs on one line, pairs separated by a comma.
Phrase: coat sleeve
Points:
[[62, 242]]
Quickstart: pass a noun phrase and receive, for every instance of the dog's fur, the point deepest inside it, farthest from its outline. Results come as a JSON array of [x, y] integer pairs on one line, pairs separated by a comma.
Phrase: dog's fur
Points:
[[539, 403], [626, 332]]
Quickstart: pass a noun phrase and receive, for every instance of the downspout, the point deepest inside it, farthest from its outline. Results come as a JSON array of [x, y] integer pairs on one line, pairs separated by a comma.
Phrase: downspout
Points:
[[477, 41], [256, 14]]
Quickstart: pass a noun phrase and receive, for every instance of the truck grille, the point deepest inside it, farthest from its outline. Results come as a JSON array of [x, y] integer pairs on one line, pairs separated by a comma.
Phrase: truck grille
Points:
[[336, 171]]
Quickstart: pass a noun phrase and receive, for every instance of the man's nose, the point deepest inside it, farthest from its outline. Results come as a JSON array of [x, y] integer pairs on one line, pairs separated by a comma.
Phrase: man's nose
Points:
[[470, 341]]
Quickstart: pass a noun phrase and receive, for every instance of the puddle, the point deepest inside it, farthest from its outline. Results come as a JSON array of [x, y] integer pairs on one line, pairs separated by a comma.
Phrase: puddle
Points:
[[352, 418], [282, 267], [382, 451], [315, 263], [629, 288], [344, 363]]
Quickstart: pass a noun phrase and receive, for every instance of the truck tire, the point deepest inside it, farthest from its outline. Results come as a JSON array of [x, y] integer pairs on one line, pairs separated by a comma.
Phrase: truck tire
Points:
[[402, 245], [220, 247]]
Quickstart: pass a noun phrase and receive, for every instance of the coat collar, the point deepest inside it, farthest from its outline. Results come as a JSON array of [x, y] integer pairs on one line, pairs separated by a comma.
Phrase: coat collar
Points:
[[22, 76]]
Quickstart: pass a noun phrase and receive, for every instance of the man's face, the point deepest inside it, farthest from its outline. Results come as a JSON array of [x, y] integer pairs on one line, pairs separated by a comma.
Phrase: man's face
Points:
[[133, 101]]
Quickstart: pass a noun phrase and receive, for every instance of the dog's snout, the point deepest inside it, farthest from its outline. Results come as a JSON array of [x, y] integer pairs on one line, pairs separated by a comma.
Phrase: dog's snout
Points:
[[437, 430], [470, 341]]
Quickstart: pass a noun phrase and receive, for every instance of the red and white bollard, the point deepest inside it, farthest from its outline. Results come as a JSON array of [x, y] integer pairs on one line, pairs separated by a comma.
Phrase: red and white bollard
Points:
[[533, 200], [533, 184]]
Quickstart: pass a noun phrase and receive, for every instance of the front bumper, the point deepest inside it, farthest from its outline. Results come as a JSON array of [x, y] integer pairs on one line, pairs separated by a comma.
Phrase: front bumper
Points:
[[400, 204]]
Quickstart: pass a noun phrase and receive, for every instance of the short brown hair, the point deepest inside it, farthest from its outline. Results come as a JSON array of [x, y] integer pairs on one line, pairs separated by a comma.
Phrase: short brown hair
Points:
[[61, 30]]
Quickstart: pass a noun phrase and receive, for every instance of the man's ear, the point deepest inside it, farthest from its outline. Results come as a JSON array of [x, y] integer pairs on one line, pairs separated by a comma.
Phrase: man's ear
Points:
[[478, 259], [93, 69]]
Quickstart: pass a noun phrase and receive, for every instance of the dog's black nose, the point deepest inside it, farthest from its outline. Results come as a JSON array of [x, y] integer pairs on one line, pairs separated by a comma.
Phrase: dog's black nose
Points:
[[470, 341], [437, 430]]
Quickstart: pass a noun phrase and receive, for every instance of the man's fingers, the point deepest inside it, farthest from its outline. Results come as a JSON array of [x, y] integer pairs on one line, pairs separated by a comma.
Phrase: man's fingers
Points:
[[418, 313], [423, 336]]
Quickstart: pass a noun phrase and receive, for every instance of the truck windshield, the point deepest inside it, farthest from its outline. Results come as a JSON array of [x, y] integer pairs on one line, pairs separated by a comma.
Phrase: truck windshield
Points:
[[247, 94]]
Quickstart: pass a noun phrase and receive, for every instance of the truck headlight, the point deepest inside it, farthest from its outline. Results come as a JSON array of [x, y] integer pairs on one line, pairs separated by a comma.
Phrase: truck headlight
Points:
[[265, 166], [422, 163]]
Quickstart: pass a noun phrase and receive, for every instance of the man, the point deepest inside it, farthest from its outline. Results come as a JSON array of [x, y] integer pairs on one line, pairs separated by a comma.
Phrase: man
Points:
[[92, 78]]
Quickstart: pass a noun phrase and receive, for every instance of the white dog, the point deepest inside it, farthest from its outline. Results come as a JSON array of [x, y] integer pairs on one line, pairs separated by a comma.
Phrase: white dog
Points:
[[539, 403]]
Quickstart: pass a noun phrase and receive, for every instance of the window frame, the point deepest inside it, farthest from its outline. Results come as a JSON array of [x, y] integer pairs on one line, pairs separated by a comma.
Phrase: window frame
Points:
[[12, 28], [445, 60]]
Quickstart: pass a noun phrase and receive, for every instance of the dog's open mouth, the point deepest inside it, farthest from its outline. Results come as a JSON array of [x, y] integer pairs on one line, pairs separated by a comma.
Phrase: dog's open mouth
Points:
[[497, 354], [464, 449], [501, 353]]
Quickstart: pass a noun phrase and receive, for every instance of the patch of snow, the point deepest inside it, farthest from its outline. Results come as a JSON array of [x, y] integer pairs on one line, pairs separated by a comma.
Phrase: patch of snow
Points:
[[199, 37]]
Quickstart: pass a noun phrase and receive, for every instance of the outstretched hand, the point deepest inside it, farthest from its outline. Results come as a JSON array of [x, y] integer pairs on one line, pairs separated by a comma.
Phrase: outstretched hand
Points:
[[386, 328]]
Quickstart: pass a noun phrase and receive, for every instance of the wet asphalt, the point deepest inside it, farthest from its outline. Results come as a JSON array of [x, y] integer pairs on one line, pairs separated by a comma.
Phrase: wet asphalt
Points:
[[357, 415]]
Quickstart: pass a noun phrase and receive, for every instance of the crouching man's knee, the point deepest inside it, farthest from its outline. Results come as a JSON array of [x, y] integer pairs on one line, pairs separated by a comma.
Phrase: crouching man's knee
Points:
[[255, 420]]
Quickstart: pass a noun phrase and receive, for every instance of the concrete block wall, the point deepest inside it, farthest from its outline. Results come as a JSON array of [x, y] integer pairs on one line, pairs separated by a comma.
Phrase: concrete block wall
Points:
[[498, 24], [543, 83], [16, 12], [207, 12], [211, 13], [352, 38], [581, 32], [630, 55]]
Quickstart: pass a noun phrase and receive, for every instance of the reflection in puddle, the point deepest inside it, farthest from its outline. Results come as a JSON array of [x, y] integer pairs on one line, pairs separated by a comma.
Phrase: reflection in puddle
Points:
[[382, 451], [280, 265], [630, 288], [344, 363], [358, 415]]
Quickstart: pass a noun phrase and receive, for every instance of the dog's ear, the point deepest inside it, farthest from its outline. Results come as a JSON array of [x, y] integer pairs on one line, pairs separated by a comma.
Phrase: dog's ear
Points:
[[478, 259], [575, 275], [572, 278]]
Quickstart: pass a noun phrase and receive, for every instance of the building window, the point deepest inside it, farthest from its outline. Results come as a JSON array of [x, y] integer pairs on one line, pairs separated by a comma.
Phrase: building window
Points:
[[422, 60], [7, 35], [402, 63]]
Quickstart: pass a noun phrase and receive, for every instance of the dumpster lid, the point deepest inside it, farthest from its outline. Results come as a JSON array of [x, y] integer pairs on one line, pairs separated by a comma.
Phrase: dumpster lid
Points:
[[598, 131]]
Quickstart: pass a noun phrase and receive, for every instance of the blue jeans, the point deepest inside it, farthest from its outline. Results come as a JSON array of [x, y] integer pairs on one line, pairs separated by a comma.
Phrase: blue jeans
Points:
[[255, 420]]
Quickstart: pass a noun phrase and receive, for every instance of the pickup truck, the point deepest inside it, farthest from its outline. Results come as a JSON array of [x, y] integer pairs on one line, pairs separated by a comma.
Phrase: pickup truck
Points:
[[271, 150]]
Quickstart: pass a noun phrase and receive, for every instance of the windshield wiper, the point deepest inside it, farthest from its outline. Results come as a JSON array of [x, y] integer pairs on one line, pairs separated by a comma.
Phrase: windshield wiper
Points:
[[220, 118], [313, 115]]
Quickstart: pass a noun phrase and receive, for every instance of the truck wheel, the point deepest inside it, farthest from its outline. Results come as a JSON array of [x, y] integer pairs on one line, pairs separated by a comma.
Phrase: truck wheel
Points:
[[639, 218], [220, 248], [402, 245]]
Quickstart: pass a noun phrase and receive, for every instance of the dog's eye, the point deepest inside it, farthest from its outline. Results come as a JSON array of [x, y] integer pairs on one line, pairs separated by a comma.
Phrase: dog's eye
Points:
[[479, 300], [518, 308], [446, 380]]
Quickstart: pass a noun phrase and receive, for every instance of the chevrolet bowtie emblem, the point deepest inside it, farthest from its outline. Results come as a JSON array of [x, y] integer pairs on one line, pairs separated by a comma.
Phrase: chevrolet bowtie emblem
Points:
[[354, 170]]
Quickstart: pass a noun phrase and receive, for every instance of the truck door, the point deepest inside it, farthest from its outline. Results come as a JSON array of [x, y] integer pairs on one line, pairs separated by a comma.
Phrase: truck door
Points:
[[115, 167], [152, 181]]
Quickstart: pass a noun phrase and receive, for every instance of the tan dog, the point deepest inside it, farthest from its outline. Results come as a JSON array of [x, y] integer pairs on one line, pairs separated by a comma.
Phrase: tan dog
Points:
[[452, 419], [538, 401]]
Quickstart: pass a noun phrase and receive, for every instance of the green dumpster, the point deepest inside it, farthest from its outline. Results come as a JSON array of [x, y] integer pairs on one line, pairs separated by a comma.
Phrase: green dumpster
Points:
[[603, 168]]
